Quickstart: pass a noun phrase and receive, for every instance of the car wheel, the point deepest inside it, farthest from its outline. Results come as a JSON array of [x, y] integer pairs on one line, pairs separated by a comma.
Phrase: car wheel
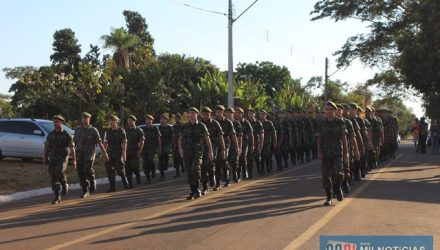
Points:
[[27, 159]]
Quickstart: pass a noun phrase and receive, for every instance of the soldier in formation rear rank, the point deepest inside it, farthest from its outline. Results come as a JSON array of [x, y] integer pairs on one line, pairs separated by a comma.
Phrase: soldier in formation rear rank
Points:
[[247, 145], [276, 120], [135, 144], [270, 140], [351, 112], [56, 150], [166, 132], [177, 160], [332, 151], [115, 143], [86, 138], [300, 145], [217, 146], [230, 137], [191, 140], [255, 156], [234, 153], [152, 146], [353, 152], [309, 136], [286, 141], [368, 147], [376, 136], [293, 137]]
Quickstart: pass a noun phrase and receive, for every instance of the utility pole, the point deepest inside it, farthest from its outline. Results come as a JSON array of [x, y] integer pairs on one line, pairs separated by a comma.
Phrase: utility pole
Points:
[[326, 80], [231, 21]]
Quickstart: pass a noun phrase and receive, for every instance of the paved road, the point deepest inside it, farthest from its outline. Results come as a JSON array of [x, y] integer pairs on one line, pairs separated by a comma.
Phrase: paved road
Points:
[[283, 210]]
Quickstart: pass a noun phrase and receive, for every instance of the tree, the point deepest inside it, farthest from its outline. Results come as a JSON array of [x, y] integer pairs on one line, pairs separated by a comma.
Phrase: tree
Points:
[[66, 50], [404, 39], [405, 115], [120, 41], [137, 25], [6, 109]]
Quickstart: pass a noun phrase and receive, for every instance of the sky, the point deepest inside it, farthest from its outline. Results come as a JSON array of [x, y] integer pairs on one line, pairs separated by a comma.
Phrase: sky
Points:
[[279, 31]]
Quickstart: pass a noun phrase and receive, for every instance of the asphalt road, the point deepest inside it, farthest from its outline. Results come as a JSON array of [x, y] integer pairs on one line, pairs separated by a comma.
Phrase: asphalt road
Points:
[[278, 211]]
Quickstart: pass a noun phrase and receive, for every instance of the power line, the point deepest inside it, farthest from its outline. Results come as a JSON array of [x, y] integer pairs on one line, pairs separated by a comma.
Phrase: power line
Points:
[[198, 8]]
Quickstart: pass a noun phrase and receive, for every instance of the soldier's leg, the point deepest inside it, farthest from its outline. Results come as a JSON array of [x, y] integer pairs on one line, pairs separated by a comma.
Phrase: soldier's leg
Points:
[[162, 165], [54, 179], [337, 177], [250, 164], [205, 175], [176, 163], [278, 158], [196, 170], [357, 170], [110, 168], [91, 175], [129, 169], [188, 161], [293, 155], [120, 168], [220, 165], [346, 178], [326, 180], [63, 178], [81, 170], [146, 168], [235, 168], [151, 164], [285, 154], [242, 164]]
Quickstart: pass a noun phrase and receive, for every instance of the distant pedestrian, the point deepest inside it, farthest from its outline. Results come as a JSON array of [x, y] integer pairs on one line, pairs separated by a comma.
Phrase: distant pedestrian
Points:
[[435, 136], [415, 132], [423, 127], [56, 152]]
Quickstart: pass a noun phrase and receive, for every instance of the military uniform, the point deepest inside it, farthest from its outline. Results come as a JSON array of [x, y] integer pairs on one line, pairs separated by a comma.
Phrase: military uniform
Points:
[[285, 141], [280, 136], [348, 167], [300, 146], [114, 138], [361, 148], [257, 128], [192, 142], [330, 133], [232, 155], [152, 135], [86, 139], [134, 137], [57, 144], [293, 140], [166, 132], [222, 166], [245, 144], [177, 160], [269, 132], [208, 167]]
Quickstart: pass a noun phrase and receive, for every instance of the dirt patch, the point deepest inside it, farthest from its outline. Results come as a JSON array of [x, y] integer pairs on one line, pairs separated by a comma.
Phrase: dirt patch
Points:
[[16, 175]]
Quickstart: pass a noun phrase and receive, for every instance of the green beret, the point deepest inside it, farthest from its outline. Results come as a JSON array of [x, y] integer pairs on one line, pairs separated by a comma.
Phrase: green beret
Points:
[[219, 107], [251, 111], [239, 110], [331, 104], [58, 117], [85, 114], [132, 117], [206, 110], [114, 118], [149, 117], [353, 105], [164, 116], [340, 106], [263, 111], [230, 110], [193, 109]]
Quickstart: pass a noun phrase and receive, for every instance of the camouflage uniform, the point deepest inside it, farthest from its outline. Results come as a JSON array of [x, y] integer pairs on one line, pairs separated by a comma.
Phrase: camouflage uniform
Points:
[[293, 140], [86, 139], [208, 167], [166, 133], [361, 148], [57, 144], [365, 139], [152, 134], [245, 144], [308, 140], [232, 156], [177, 160], [192, 143], [222, 166], [330, 133], [114, 138], [349, 166], [376, 134], [134, 136], [280, 136], [269, 132], [257, 128], [300, 146]]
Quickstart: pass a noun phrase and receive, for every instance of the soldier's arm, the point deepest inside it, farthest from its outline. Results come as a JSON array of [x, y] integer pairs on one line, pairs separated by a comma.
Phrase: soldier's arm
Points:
[[355, 147], [180, 142], [345, 148], [251, 139], [73, 154], [260, 143], [208, 143], [234, 140], [221, 141]]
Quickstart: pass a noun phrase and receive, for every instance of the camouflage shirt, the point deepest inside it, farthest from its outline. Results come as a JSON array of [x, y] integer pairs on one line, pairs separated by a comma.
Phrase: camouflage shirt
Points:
[[215, 131], [246, 128], [152, 135], [257, 128], [114, 139], [166, 133], [176, 132], [193, 136], [86, 139], [331, 133], [269, 131], [228, 130], [57, 144], [238, 130], [134, 136]]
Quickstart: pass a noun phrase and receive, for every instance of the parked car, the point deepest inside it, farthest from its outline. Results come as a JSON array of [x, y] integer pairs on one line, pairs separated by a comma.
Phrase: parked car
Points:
[[24, 137]]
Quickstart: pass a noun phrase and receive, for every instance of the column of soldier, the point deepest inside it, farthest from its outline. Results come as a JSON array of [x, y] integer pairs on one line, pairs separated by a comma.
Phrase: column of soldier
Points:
[[215, 149]]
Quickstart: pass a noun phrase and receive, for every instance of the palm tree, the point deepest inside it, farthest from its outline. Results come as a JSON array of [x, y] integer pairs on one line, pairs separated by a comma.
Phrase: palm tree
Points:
[[120, 40]]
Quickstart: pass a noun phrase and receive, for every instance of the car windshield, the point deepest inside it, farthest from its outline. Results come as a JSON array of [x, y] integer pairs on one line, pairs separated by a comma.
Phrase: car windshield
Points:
[[48, 127]]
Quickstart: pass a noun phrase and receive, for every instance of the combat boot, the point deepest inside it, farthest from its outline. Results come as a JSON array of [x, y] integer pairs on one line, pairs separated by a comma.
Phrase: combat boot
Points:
[[64, 189], [92, 186], [191, 195], [338, 192], [244, 174], [177, 173], [57, 198], [217, 186], [197, 192], [235, 176], [205, 188], [328, 201], [112, 187], [85, 193]]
